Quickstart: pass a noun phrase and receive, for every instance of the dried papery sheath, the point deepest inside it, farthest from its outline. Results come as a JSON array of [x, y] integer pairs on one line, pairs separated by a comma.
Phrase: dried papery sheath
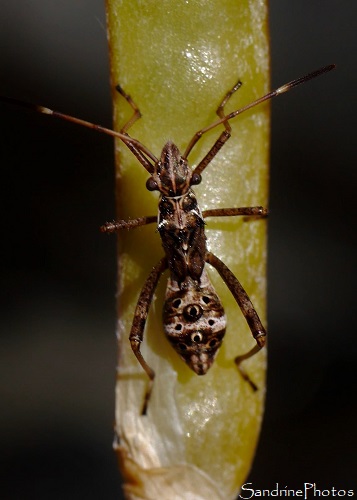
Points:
[[177, 60]]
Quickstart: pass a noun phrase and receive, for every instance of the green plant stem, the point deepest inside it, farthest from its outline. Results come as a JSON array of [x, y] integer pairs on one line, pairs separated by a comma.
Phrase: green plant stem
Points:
[[177, 60]]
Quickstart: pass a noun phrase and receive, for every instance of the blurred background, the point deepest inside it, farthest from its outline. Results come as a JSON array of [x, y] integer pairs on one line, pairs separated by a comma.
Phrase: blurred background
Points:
[[58, 348]]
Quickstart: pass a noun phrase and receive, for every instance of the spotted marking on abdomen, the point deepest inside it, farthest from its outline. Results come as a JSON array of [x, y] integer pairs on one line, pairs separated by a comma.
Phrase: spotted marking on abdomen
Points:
[[194, 322]]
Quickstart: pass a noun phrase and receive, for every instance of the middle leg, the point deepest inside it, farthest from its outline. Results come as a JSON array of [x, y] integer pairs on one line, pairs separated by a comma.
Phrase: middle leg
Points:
[[228, 212]]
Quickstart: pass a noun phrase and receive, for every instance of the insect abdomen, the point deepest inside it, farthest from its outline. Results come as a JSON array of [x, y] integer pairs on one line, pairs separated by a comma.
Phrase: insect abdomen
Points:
[[194, 322]]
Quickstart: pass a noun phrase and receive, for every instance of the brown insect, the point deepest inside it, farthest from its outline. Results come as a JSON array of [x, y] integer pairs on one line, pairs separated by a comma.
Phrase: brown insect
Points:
[[193, 316]]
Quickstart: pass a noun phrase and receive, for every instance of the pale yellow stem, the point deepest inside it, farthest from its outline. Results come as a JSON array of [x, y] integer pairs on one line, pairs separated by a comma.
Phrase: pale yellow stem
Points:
[[177, 59]]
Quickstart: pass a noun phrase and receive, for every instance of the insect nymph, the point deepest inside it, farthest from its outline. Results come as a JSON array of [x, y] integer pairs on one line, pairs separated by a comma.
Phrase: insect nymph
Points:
[[193, 316]]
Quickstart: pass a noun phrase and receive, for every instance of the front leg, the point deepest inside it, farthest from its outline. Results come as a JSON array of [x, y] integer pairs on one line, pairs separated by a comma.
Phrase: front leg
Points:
[[137, 329], [247, 308]]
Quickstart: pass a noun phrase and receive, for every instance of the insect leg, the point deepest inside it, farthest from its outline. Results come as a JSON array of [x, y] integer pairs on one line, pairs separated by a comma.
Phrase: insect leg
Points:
[[114, 226], [137, 328], [247, 308], [136, 114], [137, 152], [217, 146], [281, 90], [223, 138], [228, 212], [220, 109]]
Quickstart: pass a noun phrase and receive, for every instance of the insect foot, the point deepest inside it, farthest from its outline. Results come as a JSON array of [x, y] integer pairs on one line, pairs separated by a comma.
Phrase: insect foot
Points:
[[194, 322]]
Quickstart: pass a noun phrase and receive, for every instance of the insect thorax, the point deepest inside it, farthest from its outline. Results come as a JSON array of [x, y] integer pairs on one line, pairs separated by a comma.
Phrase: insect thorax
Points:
[[181, 228], [194, 321]]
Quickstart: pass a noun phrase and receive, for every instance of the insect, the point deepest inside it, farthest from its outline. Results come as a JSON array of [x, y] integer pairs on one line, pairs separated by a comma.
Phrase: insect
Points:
[[193, 315]]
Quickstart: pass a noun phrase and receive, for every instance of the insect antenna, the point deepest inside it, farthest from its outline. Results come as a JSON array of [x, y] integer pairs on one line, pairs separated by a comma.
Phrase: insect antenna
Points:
[[135, 146], [223, 120]]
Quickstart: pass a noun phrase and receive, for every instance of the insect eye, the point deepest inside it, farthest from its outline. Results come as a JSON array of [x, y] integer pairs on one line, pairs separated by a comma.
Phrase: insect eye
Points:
[[182, 346], [196, 179], [196, 337], [151, 184]]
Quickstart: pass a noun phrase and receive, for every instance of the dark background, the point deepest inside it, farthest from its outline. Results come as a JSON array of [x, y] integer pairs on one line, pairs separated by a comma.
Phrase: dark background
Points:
[[58, 349]]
